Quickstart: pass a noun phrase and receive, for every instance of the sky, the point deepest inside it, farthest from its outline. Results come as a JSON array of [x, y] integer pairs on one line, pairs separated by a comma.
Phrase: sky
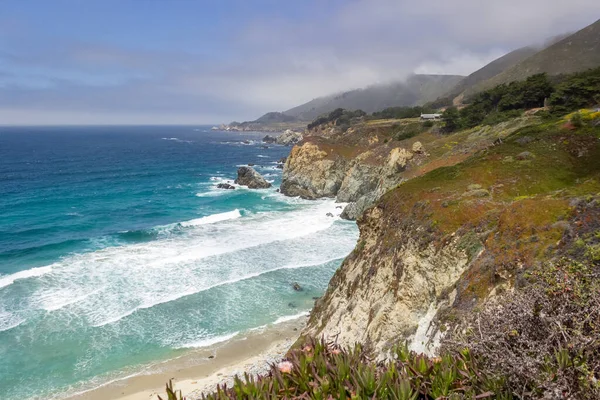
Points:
[[209, 62]]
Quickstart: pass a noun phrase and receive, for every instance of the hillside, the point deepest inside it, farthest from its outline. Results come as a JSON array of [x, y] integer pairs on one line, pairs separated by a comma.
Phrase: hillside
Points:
[[416, 90], [492, 69], [574, 53], [483, 252]]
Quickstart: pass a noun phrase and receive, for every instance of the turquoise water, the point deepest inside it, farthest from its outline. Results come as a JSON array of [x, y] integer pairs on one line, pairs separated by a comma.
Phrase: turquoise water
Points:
[[117, 250]]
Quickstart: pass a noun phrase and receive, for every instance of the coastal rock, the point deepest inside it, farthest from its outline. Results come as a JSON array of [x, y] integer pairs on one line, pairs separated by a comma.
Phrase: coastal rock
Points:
[[311, 174], [269, 139], [398, 159], [418, 148], [289, 138], [225, 186], [296, 286], [360, 179], [247, 176], [383, 295], [355, 209]]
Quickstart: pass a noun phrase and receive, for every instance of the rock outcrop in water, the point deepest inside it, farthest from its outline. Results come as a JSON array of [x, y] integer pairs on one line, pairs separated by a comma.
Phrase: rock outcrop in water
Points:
[[247, 176]]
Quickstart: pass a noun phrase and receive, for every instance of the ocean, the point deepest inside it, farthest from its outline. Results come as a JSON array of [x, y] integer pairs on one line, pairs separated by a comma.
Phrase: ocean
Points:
[[117, 250]]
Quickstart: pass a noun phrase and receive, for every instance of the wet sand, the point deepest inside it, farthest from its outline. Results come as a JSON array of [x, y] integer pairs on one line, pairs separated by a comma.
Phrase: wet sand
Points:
[[195, 372]]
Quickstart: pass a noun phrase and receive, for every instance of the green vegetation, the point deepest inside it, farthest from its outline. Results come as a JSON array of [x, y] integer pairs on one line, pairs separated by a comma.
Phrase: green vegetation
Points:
[[322, 370], [504, 102], [543, 339], [577, 91], [339, 117]]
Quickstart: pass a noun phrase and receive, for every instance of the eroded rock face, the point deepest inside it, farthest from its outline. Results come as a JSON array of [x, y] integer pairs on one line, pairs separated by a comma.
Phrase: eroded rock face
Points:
[[289, 138], [398, 159], [247, 176], [311, 174], [382, 295]]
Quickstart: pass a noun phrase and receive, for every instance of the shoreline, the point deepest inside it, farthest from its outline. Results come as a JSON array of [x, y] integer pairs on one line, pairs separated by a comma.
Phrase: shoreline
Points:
[[202, 369]]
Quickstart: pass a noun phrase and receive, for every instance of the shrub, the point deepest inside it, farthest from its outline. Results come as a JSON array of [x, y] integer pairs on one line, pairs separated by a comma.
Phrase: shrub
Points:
[[577, 120], [544, 339], [320, 370]]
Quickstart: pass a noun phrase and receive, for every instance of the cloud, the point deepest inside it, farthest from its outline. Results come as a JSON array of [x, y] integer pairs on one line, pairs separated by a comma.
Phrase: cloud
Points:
[[268, 61]]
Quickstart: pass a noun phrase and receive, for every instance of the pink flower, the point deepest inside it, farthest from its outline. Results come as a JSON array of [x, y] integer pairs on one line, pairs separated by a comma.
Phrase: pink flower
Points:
[[307, 349], [285, 367], [336, 351]]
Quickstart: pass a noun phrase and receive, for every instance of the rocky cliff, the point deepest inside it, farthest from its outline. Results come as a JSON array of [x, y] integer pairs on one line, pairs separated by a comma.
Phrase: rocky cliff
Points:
[[359, 164], [450, 238]]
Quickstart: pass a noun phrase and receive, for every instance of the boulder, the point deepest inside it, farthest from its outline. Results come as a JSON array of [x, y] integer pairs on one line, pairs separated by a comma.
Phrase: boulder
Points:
[[269, 139], [418, 148], [398, 159], [225, 186], [282, 160], [289, 138], [247, 176], [296, 286], [329, 215]]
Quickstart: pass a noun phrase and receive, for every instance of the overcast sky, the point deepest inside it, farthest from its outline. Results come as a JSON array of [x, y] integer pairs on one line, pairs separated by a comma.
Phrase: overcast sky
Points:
[[192, 62]]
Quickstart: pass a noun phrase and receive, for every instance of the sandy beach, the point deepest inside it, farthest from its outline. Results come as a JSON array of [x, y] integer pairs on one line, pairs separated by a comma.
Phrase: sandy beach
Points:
[[202, 369]]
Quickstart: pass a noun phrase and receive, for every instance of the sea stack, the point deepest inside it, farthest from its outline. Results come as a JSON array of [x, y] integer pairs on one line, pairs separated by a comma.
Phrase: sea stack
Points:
[[247, 176]]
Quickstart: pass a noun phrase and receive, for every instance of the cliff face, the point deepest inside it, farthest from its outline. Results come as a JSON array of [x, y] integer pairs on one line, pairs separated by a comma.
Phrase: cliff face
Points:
[[309, 172], [381, 295], [448, 240], [360, 164]]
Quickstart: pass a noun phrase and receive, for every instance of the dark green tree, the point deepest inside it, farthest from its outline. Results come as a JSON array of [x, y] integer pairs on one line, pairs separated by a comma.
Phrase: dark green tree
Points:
[[451, 119]]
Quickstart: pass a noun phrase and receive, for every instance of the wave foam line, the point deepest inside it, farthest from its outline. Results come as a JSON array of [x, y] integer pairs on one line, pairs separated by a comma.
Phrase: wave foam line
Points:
[[11, 325], [287, 318], [210, 341], [29, 273], [211, 219], [216, 285]]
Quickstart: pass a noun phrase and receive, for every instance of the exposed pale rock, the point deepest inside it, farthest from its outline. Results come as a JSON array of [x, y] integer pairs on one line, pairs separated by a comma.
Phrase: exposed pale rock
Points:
[[360, 178], [289, 138], [310, 174], [398, 159], [418, 148], [387, 296], [355, 209], [247, 176]]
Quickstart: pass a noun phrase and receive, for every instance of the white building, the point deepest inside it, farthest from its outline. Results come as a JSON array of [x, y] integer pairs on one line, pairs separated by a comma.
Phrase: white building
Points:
[[431, 116]]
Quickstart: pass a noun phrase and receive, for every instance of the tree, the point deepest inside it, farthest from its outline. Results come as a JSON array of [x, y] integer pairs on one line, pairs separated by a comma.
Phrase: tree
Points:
[[451, 119]]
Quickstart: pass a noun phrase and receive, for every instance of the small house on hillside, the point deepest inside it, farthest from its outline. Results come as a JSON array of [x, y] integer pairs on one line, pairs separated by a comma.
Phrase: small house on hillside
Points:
[[430, 117]]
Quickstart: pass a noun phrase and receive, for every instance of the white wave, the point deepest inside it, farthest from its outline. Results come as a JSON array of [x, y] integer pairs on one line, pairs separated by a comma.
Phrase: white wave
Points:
[[174, 139], [9, 320], [29, 273], [211, 219], [214, 193], [262, 156], [287, 318], [204, 255], [210, 341]]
